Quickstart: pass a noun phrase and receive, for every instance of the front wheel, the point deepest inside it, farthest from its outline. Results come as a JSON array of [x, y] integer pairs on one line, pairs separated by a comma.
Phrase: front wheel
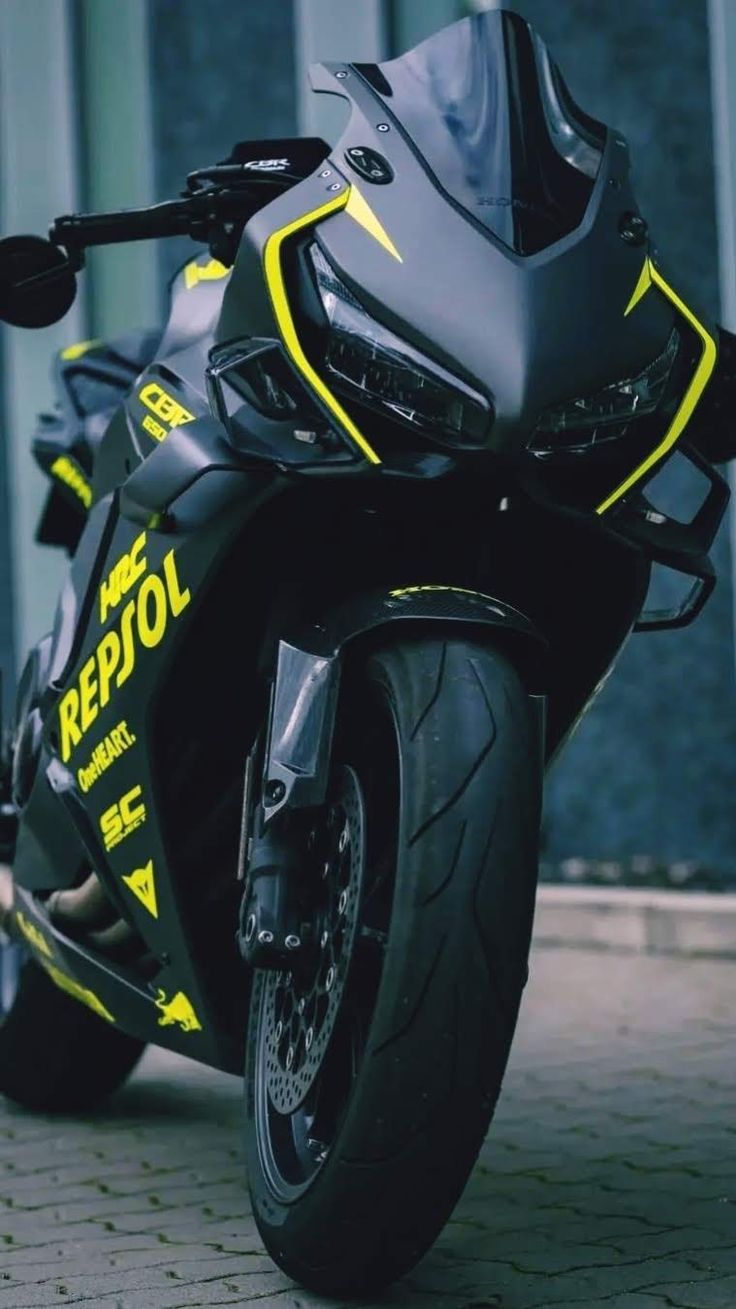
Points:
[[373, 1070]]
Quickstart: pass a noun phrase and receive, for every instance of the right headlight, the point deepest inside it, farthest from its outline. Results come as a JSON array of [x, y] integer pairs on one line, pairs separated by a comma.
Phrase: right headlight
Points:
[[370, 364], [576, 425]]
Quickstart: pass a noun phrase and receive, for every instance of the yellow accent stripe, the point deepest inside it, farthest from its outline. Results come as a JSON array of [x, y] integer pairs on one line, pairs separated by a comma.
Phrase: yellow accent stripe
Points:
[[33, 934], [212, 271], [277, 290], [81, 348], [650, 276], [641, 288], [79, 992], [359, 209]]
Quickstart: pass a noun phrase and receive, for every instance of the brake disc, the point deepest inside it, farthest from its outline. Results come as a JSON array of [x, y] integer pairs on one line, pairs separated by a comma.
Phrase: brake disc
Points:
[[301, 1008]]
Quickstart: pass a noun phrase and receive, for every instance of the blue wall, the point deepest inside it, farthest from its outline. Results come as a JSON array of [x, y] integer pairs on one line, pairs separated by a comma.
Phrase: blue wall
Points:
[[653, 767]]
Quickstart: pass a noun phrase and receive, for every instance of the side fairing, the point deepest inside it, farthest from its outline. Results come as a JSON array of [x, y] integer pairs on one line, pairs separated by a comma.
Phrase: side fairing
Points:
[[133, 603], [171, 391]]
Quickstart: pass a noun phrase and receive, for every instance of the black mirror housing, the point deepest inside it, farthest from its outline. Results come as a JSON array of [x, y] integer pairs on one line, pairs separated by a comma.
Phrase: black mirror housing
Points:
[[37, 282]]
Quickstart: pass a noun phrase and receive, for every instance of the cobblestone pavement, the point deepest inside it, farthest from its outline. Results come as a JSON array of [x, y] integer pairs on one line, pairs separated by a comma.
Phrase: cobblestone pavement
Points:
[[609, 1178]]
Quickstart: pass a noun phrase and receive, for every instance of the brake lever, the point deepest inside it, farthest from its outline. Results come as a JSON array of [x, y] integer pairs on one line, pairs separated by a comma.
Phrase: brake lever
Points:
[[202, 216]]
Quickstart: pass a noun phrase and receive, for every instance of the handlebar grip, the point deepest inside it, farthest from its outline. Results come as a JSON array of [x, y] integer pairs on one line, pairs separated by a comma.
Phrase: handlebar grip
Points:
[[75, 231]]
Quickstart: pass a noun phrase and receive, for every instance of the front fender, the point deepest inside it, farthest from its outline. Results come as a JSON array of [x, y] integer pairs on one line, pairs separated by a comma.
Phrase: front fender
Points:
[[308, 667]]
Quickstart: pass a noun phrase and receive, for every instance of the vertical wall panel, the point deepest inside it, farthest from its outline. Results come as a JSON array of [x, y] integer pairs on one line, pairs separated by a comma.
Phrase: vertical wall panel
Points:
[[221, 73], [115, 84], [653, 767], [330, 29], [412, 23], [722, 24], [39, 180]]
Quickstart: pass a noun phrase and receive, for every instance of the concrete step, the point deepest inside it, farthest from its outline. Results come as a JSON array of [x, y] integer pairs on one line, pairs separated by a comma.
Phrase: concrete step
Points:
[[637, 921]]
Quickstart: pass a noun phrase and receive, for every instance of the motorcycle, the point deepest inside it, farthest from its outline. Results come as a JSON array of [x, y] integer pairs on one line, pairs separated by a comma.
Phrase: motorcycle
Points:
[[352, 544]]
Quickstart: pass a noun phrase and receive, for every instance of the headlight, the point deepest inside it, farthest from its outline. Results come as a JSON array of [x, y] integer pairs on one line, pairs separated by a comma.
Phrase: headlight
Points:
[[578, 424], [368, 363]]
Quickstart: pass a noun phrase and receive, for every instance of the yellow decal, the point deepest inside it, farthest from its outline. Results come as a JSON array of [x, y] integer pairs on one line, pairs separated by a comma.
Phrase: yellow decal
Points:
[[122, 818], [165, 407], [643, 284], [177, 1010], [153, 428], [33, 935], [212, 271], [81, 348], [359, 209], [274, 275], [461, 590], [69, 472], [143, 885], [143, 622], [123, 576], [104, 755], [648, 277], [79, 992]]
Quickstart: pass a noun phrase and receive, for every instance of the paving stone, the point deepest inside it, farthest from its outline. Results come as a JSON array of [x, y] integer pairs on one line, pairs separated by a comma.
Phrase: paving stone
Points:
[[609, 1177]]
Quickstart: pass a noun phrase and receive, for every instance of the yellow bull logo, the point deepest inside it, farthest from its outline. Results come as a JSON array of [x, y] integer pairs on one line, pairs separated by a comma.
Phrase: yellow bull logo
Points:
[[177, 1010]]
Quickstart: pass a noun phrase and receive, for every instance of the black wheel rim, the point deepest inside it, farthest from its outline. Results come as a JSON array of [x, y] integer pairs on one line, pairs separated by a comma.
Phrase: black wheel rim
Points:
[[300, 1102]]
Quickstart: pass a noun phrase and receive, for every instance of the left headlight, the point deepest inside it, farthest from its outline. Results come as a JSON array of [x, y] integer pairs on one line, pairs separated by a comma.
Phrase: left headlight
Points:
[[368, 363]]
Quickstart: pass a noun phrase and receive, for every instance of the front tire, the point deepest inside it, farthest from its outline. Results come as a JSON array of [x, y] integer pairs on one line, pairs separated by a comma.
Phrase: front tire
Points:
[[353, 1184]]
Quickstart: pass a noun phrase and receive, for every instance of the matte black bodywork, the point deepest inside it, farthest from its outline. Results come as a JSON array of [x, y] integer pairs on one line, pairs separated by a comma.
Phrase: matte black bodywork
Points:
[[531, 330], [222, 581]]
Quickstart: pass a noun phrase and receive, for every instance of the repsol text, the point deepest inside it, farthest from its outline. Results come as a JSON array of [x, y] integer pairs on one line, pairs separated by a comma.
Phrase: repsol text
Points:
[[144, 621]]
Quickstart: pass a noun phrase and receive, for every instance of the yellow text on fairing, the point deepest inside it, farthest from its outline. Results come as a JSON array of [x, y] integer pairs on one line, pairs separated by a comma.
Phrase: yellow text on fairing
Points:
[[144, 622]]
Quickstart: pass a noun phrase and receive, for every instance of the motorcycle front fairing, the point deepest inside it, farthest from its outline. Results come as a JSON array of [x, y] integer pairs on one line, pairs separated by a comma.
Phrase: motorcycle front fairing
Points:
[[425, 253], [496, 234]]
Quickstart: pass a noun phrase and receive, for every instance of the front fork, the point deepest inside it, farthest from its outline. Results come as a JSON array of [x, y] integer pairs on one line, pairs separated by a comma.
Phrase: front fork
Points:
[[271, 933], [279, 825]]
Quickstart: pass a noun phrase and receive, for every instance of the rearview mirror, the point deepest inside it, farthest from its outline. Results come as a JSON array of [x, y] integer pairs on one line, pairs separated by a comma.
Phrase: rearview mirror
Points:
[[37, 283]]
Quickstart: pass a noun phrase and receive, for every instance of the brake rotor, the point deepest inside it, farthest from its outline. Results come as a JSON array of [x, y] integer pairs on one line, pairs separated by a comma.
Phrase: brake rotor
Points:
[[301, 1008]]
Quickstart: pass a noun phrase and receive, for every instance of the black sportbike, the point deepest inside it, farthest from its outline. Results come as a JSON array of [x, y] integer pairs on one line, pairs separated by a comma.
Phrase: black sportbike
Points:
[[353, 543]]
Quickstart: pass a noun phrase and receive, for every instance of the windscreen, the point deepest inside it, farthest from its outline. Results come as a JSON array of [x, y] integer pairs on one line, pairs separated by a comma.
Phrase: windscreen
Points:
[[489, 113]]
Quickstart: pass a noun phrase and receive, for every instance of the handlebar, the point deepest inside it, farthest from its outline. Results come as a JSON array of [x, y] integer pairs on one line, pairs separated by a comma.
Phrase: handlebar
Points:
[[75, 231], [37, 277], [201, 216]]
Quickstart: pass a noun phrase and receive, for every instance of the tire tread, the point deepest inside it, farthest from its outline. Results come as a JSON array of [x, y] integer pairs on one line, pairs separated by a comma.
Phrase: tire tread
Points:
[[453, 976]]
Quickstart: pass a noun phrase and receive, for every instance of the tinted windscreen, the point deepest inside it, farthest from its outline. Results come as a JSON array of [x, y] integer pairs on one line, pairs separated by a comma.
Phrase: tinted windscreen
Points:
[[489, 112]]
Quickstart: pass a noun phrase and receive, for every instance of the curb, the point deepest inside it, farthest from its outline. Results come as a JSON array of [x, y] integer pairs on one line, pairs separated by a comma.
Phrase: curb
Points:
[[636, 921]]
